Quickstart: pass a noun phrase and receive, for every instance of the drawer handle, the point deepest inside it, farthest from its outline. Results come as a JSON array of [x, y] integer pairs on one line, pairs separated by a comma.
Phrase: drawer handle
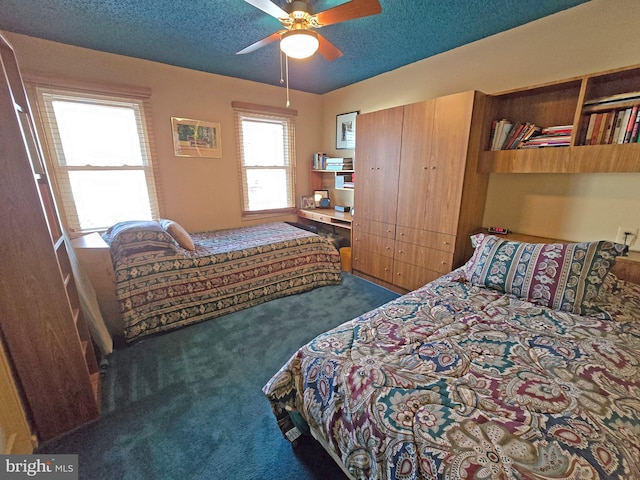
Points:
[[433, 167], [446, 243], [402, 234], [387, 248], [386, 269], [399, 251], [443, 263], [388, 231]]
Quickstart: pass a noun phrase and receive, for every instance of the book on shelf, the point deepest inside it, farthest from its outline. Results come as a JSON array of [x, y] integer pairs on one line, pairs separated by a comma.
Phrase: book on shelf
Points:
[[502, 129], [635, 131], [630, 123], [321, 161]]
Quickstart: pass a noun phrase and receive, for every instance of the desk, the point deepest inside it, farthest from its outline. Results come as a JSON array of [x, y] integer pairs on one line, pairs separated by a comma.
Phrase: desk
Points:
[[327, 216]]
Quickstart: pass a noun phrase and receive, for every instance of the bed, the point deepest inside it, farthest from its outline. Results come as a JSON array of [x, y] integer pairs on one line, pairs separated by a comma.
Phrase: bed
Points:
[[522, 364], [167, 278]]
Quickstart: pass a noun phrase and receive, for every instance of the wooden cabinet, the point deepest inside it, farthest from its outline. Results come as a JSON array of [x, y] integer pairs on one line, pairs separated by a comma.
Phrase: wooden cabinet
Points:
[[439, 195], [44, 333], [566, 102]]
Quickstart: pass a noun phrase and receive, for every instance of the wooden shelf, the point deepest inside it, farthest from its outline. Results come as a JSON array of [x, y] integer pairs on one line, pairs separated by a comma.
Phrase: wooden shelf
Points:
[[624, 158], [562, 103]]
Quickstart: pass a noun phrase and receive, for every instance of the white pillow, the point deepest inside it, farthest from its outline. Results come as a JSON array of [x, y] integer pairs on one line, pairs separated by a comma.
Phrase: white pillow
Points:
[[178, 233]]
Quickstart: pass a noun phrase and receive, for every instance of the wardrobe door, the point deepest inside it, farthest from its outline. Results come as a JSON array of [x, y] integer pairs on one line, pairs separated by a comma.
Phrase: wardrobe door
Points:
[[378, 142], [451, 128], [415, 163]]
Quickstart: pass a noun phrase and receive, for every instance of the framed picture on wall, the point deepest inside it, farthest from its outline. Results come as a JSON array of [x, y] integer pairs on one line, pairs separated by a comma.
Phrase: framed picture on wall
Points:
[[346, 130], [196, 138]]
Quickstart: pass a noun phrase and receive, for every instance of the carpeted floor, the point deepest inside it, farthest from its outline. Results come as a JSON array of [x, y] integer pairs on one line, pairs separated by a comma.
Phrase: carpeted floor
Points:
[[188, 404]]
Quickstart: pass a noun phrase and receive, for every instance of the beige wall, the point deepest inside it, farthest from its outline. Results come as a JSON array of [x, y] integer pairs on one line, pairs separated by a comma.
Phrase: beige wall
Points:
[[596, 36], [201, 194]]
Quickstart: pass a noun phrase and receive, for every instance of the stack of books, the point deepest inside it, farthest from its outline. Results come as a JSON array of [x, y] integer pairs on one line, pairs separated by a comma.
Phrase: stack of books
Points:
[[345, 181], [507, 135], [556, 136], [322, 162], [616, 125]]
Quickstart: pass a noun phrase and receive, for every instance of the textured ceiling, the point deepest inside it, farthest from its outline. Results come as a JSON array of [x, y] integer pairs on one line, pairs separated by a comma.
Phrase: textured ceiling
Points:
[[206, 34]]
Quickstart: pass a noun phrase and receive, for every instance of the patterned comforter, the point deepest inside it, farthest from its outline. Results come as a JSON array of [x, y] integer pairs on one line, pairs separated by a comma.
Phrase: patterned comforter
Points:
[[453, 381], [229, 270]]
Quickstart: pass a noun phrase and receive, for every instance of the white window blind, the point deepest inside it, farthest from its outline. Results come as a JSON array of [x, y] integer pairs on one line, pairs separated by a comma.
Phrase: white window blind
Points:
[[266, 150], [100, 157]]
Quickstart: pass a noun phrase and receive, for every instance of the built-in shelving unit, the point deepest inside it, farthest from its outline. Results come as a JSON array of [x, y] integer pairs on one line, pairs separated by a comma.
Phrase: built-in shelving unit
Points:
[[336, 179], [566, 102]]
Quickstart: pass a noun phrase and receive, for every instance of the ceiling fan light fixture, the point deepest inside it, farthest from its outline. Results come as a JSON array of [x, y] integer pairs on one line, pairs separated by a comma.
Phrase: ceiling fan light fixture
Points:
[[299, 43]]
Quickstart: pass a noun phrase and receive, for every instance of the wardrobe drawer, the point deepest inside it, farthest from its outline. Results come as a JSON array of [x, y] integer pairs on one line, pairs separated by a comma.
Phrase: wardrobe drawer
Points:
[[427, 238], [373, 243], [378, 266], [424, 257], [412, 277], [376, 228]]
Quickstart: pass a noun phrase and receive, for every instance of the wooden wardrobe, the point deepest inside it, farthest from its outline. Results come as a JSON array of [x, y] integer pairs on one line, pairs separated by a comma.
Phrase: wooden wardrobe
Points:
[[42, 328], [419, 195]]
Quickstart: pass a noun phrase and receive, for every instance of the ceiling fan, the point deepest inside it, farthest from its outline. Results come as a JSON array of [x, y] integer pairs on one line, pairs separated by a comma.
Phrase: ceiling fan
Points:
[[298, 39]]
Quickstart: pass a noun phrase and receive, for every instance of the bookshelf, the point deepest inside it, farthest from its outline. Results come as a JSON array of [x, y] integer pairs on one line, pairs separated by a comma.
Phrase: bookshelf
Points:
[[566, 102], [334, 174]]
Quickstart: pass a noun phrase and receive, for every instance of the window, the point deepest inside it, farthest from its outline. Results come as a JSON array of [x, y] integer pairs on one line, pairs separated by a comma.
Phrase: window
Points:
[[266, 156], [100, 158]]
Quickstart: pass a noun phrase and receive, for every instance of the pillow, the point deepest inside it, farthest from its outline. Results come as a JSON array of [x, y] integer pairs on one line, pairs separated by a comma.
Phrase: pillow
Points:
[[565, 277], [125, 238], [178, 233]]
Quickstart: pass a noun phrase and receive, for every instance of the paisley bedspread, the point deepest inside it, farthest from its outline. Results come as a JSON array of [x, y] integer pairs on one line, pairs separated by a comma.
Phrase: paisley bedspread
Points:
[[454, 381], [230, 270]]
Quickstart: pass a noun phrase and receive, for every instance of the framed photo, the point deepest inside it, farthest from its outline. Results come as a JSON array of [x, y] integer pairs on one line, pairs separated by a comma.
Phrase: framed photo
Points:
[[196, 138], [307, 202], [346, 130], [318, 195]]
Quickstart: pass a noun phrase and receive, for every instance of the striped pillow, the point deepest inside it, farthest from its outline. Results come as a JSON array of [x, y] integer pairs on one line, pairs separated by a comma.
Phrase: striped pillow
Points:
[[562, 276]]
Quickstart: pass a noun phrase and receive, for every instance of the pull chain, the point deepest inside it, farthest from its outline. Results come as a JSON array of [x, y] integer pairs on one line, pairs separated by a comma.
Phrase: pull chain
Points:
[[285, 74], [281, 70], [286, 61]]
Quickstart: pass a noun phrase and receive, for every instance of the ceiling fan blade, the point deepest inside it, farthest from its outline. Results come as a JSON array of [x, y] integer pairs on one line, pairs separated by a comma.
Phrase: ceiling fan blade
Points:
[[348, 11], [328, 50], [261, 43], [268, 7]]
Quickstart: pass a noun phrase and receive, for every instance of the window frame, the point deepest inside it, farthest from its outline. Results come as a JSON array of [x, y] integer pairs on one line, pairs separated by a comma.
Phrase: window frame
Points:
[[45, 92], [266, 114]]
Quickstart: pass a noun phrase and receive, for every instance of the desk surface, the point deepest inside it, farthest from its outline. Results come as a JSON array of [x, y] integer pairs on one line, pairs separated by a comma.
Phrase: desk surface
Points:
[[328, 216]]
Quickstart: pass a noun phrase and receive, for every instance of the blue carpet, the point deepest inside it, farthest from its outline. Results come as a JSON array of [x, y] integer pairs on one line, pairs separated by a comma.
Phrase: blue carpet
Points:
[[188, 404]]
